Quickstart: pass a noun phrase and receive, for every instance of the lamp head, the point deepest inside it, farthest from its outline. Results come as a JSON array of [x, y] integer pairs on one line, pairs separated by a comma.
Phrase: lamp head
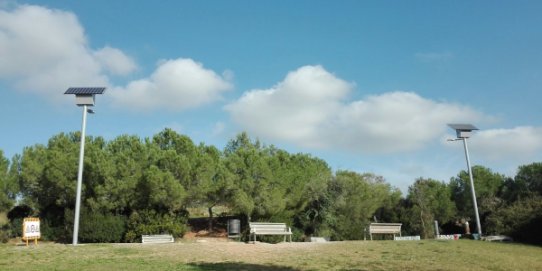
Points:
[[463, 130], [85, 96]]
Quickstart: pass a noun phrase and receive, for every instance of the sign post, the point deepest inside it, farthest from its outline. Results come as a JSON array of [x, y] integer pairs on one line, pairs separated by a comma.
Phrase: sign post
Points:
[[31, 229]]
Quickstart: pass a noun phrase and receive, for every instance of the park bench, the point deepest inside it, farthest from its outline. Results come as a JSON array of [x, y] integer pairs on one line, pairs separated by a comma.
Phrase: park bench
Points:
[[385, 228], [157, 239], [264, 228]]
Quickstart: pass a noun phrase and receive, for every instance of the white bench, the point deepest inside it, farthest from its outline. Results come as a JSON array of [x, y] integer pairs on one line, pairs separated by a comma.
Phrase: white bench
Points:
[[157, 239], [385, 228], [264, 228]]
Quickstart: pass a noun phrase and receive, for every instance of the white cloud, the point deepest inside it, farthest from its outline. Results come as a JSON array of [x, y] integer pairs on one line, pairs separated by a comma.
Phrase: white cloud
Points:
[[520, 143], [115, 61], [176, 85], [309, 108], [396, 121], [45, 51], [293, 110]]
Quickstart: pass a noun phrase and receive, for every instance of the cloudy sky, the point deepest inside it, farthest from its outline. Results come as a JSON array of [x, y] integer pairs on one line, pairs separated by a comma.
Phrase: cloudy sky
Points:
[[368, 86]]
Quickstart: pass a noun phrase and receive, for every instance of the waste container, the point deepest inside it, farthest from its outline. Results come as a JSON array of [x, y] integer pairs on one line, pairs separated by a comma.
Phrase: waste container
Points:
[[234, 228]]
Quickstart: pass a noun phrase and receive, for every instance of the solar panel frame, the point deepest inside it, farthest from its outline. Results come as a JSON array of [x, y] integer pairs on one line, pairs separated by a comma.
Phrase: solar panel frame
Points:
[[463, 127], [85, 90]]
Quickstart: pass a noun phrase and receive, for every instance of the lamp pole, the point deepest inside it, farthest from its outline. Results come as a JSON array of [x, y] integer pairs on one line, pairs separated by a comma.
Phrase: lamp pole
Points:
[[478, 226], [463, 132], [84, 96], [79, 178]]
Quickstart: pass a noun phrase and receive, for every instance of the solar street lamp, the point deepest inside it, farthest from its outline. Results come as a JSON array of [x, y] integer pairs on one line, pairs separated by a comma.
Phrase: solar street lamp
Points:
[[83, 97], [463, 132]]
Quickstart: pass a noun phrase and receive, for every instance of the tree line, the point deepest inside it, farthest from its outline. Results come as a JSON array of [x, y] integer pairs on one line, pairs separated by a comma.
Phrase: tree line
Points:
[[134, 186]]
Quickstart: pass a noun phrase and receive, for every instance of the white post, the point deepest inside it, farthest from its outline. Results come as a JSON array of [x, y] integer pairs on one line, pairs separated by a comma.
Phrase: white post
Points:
[[79, 178], [472, 188]]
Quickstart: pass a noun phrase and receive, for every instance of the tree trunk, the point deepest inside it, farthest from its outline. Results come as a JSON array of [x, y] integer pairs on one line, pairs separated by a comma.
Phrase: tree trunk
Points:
[[210, 209], [423, 225]]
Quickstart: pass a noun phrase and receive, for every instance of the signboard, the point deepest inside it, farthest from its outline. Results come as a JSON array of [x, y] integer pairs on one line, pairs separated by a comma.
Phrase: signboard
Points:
[[407, 238], [31, 229], [449, 237]]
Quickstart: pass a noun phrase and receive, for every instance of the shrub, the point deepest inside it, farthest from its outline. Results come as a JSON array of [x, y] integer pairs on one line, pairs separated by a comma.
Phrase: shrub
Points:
[[5, 233], [520, 220], [95, 227], [15, 227]]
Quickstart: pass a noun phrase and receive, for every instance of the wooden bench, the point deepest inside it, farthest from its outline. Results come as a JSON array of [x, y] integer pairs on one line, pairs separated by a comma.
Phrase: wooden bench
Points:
[[157, 239], [385, 228], [264, 228]]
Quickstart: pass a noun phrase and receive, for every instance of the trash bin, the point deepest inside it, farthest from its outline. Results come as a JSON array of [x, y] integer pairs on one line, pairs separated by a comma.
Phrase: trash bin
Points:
[[234, 228]]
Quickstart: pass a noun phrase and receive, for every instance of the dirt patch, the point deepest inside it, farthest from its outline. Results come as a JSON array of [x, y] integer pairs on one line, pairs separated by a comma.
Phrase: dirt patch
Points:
[[224, 250], [199, 229]]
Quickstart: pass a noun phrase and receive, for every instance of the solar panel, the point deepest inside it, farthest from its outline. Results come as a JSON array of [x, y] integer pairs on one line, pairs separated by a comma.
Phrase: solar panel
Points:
[[85, 91], [463, 127]]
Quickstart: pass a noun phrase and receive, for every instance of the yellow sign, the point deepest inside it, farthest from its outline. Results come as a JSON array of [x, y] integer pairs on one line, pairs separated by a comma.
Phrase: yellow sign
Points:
[[31, 229]]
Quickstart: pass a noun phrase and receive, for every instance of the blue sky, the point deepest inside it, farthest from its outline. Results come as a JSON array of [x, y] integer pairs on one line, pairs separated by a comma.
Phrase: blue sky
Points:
[[367, 86]]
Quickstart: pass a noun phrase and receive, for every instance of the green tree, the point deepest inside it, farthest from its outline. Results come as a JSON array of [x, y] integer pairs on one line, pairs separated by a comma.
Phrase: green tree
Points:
[[168, 139], [245, 161], [32, 174], [393, 208], [126, 158], [48, 178], [6, 200], [430, 200], [48, 173], [520, 219], [317, 216], [520, 215], [356, 198], [528, 181], [158, 190], [272, 185], [212, 184], [487, 186], [304, 181]]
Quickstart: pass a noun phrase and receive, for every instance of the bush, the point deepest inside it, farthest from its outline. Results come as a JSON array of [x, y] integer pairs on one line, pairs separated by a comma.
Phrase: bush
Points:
[[521, 220], [15, 228], [150, 222], [5, 233], [95, 227]]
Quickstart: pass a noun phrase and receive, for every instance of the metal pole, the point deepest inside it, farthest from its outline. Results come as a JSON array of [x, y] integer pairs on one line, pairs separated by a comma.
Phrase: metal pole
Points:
[[79, 178], [472, 188]]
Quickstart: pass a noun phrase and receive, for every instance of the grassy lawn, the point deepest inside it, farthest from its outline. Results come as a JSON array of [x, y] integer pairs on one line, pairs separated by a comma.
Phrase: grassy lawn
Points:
[[354, 255]]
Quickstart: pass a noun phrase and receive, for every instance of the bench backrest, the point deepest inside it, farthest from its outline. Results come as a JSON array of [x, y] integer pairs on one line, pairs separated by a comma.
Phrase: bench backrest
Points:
[[385, 228], [264, 227]]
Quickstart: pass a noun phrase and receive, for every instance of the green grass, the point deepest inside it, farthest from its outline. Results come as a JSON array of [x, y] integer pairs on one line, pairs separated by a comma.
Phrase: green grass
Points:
[[355, 255]]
